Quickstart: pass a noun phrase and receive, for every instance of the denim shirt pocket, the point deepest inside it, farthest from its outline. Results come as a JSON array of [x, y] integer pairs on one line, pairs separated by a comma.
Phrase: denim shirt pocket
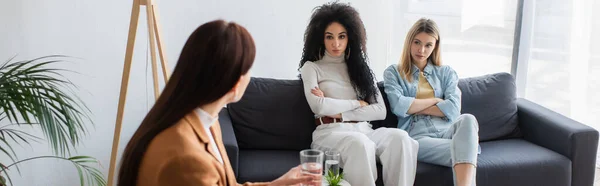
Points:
[[438, 92]]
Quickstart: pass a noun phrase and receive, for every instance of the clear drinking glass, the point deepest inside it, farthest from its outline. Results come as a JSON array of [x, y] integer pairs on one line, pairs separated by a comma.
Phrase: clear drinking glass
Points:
[[332, 162], [312, 163]]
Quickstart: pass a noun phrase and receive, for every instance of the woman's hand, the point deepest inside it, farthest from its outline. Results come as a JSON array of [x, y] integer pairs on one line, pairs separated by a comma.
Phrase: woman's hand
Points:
[[295, 176], [317, 92], [363, 103]]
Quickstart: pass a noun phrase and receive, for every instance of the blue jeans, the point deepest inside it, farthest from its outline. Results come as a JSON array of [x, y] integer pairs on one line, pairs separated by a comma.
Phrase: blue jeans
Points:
[[446, 143]]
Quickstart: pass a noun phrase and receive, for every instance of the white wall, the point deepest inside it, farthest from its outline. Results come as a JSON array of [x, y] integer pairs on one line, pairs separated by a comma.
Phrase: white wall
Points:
[[95, 32]]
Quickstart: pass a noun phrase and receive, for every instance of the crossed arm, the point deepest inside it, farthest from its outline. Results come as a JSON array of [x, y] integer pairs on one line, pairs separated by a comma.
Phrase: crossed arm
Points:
[[426, 107], [319, 93], [403, 105], [347, 109], [418, 106], [366, 112]]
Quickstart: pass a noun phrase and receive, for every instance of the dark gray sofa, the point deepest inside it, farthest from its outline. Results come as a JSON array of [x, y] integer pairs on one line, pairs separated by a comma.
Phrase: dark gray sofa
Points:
[[522, 143]]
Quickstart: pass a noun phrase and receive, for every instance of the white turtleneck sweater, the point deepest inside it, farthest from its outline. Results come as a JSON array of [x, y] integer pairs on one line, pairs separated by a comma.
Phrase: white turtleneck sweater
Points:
[[330, 74]]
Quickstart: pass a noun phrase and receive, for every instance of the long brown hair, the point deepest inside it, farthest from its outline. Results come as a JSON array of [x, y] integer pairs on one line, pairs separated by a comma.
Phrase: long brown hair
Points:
[[212, 61], [427, 26]]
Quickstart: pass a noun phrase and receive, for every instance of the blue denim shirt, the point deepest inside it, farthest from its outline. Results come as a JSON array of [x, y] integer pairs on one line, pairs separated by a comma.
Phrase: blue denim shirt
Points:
[[401, 93]]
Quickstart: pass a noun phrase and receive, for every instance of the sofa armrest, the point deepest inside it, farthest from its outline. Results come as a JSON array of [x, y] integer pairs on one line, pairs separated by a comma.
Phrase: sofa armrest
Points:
[[229, 140], [563, 135]]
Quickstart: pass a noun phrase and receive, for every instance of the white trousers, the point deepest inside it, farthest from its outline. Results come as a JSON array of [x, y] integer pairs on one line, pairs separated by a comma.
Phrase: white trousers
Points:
[[360, 147]]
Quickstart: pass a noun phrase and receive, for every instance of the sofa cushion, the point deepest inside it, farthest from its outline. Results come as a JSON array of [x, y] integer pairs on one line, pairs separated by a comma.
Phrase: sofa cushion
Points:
[[492, 100], [502, 162], [265, 165], [430, 174], [519, 162], [273, 114], [506, 162]]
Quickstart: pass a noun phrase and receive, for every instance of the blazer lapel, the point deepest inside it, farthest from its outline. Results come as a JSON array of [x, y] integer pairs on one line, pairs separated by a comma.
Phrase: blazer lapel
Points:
[[196, 124], [216, 132]]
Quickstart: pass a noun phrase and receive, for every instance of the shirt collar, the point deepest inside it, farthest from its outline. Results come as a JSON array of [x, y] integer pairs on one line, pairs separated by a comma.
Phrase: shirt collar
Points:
[[206, 119], [426, 71]]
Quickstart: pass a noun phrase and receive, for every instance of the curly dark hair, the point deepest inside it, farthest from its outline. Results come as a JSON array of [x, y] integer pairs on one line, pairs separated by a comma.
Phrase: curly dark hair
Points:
[[361, 76]]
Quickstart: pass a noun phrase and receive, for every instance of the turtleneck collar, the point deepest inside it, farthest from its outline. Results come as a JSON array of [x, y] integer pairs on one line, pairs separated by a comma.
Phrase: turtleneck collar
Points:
[[328, 58]]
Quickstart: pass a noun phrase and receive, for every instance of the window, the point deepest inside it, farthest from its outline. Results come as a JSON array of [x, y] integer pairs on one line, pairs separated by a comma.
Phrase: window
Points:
[[564, 64], [477, 36]]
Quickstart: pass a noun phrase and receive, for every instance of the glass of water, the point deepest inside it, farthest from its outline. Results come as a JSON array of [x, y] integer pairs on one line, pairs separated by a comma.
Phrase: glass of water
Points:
[[332, 162], [312, 163]]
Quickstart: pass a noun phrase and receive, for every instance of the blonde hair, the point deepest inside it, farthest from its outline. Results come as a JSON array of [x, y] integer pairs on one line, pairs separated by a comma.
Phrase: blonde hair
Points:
[[422, 25]]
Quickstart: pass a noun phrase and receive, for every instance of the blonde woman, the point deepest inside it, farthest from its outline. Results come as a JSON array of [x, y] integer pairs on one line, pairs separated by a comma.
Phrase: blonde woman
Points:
[[425, 97]]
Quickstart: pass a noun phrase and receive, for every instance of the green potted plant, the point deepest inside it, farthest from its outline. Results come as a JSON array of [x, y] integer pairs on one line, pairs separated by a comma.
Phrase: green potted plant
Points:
[[334, 179], [34, 94]]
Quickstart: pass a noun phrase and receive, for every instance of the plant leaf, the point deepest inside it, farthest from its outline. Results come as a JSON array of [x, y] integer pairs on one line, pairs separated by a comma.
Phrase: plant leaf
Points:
[[33, 92], [86, 173]]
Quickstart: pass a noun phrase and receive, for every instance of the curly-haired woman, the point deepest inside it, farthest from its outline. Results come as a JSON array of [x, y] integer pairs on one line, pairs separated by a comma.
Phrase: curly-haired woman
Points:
[[341, 91]]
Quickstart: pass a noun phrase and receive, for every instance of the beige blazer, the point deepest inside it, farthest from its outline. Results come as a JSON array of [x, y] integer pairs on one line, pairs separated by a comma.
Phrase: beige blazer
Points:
[[181, 155]]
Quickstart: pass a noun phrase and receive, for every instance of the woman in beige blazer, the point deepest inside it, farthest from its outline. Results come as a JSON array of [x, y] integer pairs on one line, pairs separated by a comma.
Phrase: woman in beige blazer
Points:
[[179, 141]]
